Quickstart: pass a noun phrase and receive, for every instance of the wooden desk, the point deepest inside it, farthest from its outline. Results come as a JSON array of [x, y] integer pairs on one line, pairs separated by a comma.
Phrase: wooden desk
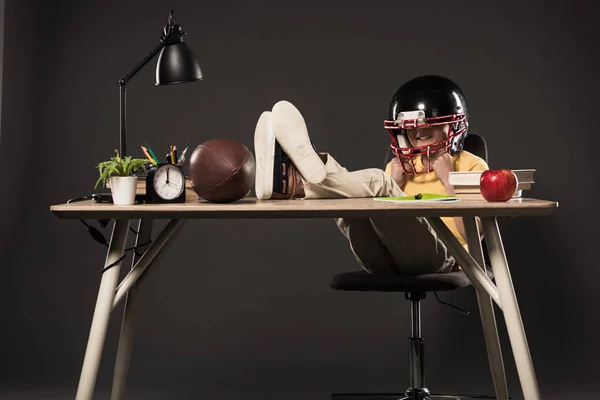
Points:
[[111, 293], [332, 208]]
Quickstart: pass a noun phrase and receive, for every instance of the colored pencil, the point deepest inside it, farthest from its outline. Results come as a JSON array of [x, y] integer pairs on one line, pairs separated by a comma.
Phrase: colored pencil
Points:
[[152, 153], [148, 155]]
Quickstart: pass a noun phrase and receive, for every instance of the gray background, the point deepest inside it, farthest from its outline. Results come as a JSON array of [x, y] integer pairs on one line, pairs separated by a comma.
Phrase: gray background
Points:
[[243, 308]]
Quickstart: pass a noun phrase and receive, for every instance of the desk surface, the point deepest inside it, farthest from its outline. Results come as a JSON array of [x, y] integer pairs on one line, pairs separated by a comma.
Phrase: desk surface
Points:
[[330, 208]]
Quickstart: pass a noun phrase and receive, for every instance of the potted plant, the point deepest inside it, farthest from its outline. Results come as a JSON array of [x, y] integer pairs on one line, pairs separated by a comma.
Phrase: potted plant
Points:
[[120, 171]]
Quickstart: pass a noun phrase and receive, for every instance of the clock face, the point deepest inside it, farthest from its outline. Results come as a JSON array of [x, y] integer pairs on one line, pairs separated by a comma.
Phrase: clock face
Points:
[[168, 182]]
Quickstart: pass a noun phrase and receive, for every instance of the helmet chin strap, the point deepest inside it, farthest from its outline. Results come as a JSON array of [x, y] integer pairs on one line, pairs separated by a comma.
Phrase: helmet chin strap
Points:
[[402, 140]]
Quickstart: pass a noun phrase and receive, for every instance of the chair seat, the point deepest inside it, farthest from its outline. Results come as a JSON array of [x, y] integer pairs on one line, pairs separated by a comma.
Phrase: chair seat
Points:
[[363, 281]]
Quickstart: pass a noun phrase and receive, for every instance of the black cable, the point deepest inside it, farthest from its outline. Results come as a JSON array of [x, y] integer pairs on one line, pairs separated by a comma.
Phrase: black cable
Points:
[[79, 199], [109, 266], [95, 233], [139, 245], [99, 237], [465, 312]]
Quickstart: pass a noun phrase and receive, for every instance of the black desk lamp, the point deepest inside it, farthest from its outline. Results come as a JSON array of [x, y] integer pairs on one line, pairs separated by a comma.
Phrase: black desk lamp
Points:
[[176, 64]]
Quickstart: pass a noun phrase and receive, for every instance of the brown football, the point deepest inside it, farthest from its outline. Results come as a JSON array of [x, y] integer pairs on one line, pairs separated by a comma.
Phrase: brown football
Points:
[[222, 170]]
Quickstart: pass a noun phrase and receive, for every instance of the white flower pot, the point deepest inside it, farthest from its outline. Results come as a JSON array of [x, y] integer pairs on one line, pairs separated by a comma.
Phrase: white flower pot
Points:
[[123, 189]]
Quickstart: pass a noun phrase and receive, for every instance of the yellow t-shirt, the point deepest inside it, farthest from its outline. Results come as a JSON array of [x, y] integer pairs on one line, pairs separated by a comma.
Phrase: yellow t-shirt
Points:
[[429, 183]]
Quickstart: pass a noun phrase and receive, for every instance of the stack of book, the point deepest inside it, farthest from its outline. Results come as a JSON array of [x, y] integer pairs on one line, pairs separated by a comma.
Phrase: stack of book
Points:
[[466, 184]]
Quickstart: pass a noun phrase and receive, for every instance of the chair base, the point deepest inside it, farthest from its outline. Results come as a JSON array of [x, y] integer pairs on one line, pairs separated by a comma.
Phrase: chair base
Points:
[[421, 395]]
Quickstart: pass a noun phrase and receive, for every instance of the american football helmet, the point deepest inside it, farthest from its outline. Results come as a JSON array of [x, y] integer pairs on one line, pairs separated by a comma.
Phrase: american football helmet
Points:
[[425, 102]]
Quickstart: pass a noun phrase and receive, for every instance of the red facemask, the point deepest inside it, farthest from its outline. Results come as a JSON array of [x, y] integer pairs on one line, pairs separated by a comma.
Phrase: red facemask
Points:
[[406, 153]]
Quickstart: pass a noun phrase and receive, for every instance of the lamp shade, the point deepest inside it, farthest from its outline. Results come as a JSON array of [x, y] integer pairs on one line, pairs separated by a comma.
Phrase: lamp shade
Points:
[[177, 64]]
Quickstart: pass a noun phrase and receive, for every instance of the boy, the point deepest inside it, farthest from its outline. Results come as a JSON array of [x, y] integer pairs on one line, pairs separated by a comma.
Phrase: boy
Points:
[[428, 124]]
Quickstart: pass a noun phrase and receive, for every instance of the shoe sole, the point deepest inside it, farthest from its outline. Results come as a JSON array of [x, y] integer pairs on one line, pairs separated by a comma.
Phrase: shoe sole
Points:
[[292, 135], [264, 151]]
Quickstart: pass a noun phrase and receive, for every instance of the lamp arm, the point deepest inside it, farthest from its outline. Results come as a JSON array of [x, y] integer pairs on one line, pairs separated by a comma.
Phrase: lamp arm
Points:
[[122, 82], [137, 68], [172, 33]]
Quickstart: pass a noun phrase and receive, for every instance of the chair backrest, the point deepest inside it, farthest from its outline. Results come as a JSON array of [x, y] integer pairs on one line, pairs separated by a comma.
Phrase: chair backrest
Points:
[[474, 144]]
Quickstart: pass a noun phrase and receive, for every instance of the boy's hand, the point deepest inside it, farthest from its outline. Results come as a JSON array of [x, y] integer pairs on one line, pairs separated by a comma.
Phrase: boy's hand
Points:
[[398, 174], [442, 166]]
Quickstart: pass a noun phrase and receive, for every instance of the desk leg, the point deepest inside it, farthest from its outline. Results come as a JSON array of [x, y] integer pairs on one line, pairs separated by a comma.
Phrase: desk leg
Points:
[[144, 235], [488, 319], [150, 257], [471, 268], [104, 304], [510, 307]]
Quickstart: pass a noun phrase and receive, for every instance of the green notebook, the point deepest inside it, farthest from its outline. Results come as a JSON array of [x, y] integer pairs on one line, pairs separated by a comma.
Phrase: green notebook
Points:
[[418, 198]]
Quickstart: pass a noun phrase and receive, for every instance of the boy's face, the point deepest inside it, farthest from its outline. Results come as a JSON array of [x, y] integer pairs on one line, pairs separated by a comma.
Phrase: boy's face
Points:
[[420, 137]]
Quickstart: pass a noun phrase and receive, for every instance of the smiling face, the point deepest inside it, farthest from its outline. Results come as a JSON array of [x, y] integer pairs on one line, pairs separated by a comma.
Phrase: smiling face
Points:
[[420, 137]]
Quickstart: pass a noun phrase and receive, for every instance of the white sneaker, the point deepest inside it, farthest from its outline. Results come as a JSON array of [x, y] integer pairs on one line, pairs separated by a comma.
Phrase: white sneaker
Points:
[[292, 135], [264, 151]]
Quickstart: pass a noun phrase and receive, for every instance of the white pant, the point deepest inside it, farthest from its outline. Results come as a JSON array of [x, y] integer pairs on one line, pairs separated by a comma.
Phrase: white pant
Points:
[[399, 246]]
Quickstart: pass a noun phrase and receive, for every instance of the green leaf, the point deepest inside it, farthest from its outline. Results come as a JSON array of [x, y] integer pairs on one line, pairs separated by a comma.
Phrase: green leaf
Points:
[[119, 167]]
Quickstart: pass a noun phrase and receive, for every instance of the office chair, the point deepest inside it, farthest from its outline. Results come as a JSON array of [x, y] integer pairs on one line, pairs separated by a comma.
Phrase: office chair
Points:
[[415, 289]]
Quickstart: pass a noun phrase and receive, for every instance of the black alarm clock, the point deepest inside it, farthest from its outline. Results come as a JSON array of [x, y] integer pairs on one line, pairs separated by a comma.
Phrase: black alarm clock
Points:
[[165, 183]]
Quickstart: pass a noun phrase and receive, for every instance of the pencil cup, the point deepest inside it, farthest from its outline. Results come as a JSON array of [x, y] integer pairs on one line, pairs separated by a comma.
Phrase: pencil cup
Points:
[[123, 189]]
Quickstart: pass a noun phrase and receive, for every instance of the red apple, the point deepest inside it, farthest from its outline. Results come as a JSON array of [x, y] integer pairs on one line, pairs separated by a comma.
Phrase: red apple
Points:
[[498, 184]]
